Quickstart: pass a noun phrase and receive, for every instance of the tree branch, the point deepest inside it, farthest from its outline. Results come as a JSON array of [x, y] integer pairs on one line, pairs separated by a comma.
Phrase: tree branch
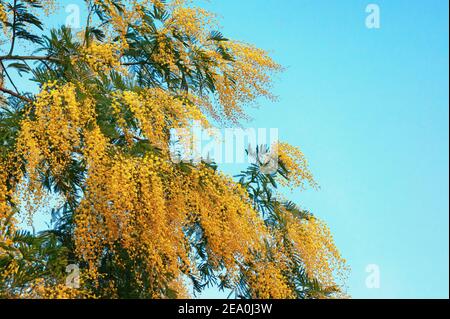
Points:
[[27, 57], [12, 93]]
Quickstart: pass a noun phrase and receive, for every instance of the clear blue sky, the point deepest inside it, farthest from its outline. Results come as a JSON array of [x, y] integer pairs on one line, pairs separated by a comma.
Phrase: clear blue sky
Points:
[[369, 108]]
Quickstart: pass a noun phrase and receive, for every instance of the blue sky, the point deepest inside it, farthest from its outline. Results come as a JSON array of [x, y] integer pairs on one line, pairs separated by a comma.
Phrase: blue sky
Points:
[[369, 108]]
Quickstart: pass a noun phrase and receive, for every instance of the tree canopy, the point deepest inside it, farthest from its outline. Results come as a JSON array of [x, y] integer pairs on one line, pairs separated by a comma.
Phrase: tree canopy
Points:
[[89, 136]]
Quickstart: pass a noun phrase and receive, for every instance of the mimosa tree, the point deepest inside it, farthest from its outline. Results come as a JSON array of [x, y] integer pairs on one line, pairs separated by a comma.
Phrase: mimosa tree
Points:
[[88, 136]]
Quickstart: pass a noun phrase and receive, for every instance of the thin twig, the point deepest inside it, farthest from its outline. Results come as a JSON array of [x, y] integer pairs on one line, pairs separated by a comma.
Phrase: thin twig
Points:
[[13, 40], [9, 77]]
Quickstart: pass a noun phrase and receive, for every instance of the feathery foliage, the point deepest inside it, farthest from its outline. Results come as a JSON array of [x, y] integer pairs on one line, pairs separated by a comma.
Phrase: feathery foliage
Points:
[[94, 144]]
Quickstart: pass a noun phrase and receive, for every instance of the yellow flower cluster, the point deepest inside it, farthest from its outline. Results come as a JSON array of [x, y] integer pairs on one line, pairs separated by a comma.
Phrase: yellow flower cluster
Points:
[[52, 134], [243, 81], [39, 289], [237, 83], [123, 13], [157, 111], [231, 225], [308, 239], [297, 166], [314, 242], [146, 203], [49, 137], [102, 57], [267, 282], [164, 52], [120, 19], [5, 193], [8, 223], [3, 15], [5, 212], [190, 21]]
